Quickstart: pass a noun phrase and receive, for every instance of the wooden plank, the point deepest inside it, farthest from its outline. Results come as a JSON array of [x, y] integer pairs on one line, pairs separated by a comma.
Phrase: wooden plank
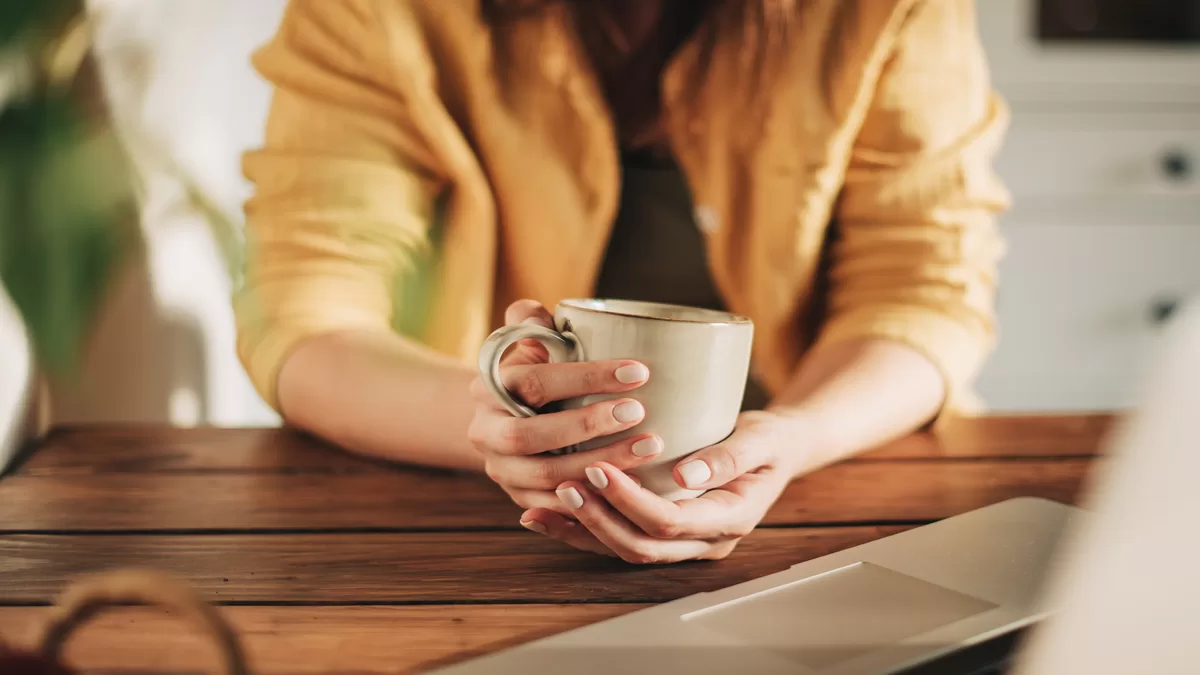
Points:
[[1000, 437], [132, 449], [90, 450], [399, 568], [417, 499], [310, 640], [896, 492], [410, 499]]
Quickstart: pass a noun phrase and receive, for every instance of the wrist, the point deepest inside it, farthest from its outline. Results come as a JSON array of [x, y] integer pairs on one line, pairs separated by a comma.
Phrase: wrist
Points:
[[804, 442]]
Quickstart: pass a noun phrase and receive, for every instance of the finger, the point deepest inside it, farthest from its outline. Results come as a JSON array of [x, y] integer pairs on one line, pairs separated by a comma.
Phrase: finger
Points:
[[563, 529], [724, 515], [547, 472], [618, 534], [527, 351], [528, 311], [537, 499], [542, 383], [570, 532], [719, 464], [493, 431]]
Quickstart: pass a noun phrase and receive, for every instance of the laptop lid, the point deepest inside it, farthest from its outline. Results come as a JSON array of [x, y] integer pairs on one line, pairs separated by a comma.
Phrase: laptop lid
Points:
[[1128, 589]]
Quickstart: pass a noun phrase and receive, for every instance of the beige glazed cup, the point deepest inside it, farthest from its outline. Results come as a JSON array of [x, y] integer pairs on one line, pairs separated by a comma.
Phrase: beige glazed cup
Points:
[[698, 359]]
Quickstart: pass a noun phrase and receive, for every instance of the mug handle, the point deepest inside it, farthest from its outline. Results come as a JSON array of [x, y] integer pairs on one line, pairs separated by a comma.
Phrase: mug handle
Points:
[[563, 346]]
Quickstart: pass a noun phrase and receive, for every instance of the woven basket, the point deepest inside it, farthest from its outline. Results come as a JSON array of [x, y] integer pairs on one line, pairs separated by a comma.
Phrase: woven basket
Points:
[[94, 595]]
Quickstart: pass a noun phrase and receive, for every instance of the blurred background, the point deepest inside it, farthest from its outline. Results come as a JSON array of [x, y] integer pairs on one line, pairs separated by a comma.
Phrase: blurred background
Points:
[[1104, 237]]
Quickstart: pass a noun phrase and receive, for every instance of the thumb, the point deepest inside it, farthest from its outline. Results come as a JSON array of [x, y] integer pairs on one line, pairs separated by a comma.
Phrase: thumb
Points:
[[527, 352], [719, 464], [528, 311]]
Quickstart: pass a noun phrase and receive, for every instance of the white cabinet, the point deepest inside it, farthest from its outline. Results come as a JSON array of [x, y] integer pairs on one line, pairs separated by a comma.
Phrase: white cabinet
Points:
[[1053, 158], [1026, 70], [1103, 160], [1082, 305]]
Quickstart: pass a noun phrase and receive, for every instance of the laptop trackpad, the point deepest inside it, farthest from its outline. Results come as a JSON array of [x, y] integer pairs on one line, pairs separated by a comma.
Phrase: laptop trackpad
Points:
[[830, 618]]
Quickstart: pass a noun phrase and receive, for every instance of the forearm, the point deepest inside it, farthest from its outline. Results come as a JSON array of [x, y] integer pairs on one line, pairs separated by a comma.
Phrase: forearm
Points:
[[381, 395], [857, 395]]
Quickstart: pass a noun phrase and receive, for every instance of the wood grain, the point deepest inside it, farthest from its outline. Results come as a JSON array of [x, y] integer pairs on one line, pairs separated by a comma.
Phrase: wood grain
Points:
[[416, 499], [399, 568], [999, 437], [128, 449], [93, 450], [331, 563], [310, 640]]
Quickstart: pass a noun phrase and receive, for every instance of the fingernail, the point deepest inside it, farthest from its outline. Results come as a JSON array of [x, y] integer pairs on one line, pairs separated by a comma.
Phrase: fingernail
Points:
[[647, 447], [534, 526], [596, 477], [634, 372], [570, 497], [695, 473], [629, 411], [537, 321]]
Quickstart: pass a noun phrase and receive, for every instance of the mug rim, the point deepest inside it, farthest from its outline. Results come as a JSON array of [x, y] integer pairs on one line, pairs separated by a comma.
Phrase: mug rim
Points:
[[588, 305]]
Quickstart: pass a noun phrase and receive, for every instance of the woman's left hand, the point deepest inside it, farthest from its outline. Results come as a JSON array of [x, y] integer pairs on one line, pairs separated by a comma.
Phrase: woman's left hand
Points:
[[744, 475]]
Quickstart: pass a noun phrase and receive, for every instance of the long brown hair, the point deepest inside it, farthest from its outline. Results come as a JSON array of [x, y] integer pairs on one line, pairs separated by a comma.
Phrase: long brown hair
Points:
[[631, 81], [508, 10]]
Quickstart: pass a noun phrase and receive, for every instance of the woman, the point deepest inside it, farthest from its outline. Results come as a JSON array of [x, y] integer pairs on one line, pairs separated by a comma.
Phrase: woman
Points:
[[435, 168]]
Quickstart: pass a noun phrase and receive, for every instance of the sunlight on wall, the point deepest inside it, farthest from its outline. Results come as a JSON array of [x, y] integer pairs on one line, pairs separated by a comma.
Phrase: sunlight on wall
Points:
[[184, 407], [178, 72], [15, 371]]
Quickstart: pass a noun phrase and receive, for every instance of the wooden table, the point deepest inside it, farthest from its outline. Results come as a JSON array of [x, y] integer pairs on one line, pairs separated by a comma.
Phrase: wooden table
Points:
[[330, 563]]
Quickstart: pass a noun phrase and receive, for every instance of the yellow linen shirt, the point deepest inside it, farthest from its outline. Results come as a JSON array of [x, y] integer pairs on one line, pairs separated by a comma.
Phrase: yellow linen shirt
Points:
[[422, 169]]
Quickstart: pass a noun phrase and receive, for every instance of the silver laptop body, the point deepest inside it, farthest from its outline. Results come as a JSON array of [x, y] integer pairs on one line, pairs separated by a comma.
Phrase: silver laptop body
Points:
[[870, 609]]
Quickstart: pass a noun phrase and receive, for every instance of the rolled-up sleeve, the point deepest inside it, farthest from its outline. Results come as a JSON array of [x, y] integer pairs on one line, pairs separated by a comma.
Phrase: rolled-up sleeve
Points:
[[344, 187], [916, 247]]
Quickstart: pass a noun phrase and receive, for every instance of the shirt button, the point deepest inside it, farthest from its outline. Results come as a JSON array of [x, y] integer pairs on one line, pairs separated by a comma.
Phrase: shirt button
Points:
[[706, 219]]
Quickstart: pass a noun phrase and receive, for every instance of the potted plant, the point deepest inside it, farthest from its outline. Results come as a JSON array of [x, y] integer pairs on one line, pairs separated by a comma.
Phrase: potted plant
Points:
[[68, 192]]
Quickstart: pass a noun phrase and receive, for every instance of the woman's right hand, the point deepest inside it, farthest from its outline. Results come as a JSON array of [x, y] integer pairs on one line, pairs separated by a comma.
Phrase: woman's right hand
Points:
[[512, 446]]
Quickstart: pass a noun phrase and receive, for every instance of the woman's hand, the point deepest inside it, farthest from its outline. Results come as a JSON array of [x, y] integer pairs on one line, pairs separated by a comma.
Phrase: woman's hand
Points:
[[512, 446], [744, 475]]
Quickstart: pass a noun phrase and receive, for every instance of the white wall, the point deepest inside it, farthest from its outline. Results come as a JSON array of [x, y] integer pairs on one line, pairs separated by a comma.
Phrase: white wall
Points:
[[15, 380], [178, 71]]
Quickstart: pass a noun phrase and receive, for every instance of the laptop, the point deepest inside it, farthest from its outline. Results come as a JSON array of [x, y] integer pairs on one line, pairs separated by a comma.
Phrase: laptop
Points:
[[968, 595]]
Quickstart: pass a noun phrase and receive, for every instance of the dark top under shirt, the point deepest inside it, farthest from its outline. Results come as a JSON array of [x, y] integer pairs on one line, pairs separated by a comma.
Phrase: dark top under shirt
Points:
[[656, 253]]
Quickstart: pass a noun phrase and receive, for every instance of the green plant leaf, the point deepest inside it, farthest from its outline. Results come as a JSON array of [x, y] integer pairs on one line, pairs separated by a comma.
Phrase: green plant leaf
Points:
[[67, 219], [22, 18]]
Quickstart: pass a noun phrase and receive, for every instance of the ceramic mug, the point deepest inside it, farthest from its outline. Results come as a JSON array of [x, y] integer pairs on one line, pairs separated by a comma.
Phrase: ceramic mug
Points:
[[699, 360]]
